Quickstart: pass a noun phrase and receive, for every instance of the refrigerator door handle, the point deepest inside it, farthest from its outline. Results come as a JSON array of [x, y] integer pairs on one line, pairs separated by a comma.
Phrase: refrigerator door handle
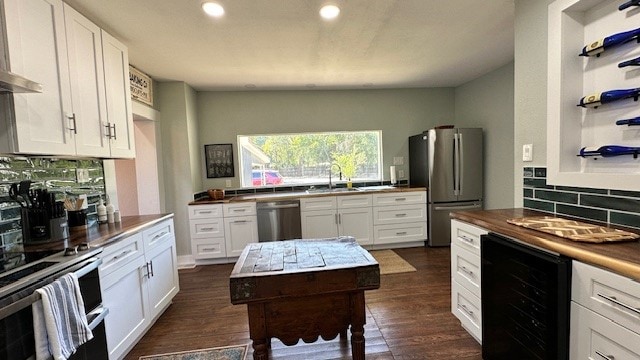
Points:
[[456, 164], [463, 207], [460, 164]]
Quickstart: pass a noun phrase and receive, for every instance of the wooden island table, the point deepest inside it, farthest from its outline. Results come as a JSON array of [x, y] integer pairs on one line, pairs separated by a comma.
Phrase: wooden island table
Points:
[[302, 289]]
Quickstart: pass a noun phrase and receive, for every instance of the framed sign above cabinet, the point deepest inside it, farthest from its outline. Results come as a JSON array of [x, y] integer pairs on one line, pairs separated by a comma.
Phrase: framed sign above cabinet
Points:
[[219, 160], [588, 92], [141, 86]]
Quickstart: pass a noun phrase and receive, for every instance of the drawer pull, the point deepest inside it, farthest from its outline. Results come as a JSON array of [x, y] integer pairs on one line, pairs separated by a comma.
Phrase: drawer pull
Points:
[[238, 210], [209, 249], [608, 357], [160, 235], [618, 302], [240, 221], [466, 239], [401, 233], [466, 309], [205, 212], [401, 215], [401, 199], [121, 255], [464, 269], [207, 229]]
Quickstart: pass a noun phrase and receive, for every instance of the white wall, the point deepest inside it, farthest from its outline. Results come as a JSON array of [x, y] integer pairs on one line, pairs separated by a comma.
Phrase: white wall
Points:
[[530, 87], [399, 113], [487, 102]]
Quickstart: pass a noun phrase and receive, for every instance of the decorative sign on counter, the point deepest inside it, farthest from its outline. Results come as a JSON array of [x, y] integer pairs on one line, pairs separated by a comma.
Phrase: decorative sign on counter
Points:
[[141, 86], [219, 160]]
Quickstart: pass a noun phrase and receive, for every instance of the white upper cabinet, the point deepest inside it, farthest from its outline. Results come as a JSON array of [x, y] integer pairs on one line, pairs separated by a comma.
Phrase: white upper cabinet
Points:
[[85, 106], [37, 123]]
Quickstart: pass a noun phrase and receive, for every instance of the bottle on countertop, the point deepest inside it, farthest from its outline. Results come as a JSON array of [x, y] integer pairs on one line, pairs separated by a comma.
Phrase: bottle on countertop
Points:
[[102, 212], [110, 211]]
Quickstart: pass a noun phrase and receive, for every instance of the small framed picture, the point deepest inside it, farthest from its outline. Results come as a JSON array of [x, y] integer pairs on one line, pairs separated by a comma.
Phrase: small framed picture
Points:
[[219, 160]]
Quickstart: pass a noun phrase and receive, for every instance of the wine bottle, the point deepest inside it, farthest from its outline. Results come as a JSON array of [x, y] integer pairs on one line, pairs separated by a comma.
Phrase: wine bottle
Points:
[[599, 46], [606, 97], [629, 4], [610, 151], [630, 122], [632, 62]]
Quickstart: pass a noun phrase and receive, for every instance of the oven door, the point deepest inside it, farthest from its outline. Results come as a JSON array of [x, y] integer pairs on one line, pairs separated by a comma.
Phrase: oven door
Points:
[[16, 318]]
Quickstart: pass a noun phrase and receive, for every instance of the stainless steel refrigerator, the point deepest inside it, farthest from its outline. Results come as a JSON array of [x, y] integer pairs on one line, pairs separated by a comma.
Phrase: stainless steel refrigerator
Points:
[[448, 162]]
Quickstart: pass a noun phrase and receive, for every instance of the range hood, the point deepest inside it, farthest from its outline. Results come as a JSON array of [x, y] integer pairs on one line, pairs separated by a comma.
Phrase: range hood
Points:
[[10, 82]]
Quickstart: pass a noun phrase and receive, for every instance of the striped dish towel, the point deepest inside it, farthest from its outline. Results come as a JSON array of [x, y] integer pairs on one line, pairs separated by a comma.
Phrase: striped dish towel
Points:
[[59, 320]]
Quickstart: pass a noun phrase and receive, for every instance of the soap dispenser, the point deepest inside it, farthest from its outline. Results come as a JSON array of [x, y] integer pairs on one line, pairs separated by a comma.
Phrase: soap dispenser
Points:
[[102, 212]]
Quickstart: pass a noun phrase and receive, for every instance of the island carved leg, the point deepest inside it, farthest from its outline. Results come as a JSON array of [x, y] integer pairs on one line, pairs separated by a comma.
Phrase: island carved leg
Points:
[[357, 325], [258, 331]]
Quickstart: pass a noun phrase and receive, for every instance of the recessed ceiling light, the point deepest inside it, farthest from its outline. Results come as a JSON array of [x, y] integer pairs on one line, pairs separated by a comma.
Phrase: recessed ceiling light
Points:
[[213, 9], [329, 12]]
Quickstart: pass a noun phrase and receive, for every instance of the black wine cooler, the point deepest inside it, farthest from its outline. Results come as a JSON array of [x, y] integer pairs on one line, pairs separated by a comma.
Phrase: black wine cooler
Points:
[[525, 301]]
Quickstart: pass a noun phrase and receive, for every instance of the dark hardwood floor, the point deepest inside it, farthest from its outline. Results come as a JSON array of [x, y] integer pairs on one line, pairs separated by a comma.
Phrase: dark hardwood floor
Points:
[[409, 317]]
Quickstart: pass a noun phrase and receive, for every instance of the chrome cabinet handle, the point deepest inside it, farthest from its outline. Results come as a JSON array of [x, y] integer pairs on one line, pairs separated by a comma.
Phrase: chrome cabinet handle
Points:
[[121, 255], [339, 218], [335, 218], [108, 131], [401, 233], [151, 265], [209, 249], [115, 136], [401, 199], [147, 273], [464, 238], [160, 235], [608, 357], [205, 211], [618, 302], [466, 309], [401, 215], [207, 229], [72, 117], [240, 221], [464, 269]]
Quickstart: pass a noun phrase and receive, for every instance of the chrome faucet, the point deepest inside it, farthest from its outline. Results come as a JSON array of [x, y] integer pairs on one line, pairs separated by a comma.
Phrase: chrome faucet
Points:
[[330, 170]]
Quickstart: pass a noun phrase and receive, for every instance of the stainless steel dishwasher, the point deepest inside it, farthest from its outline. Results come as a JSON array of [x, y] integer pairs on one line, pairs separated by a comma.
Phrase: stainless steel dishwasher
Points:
[[279, 220]]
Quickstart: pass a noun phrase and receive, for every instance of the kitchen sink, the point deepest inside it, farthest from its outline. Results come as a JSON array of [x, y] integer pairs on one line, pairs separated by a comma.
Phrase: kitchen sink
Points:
[[334, 190], [375, 188]]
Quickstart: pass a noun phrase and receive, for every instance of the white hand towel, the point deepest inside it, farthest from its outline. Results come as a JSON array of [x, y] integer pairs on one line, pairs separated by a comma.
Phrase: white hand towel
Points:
[[65, 322]]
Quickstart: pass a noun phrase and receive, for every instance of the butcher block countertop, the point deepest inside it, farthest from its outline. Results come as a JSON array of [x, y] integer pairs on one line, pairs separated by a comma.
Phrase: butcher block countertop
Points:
[[622, 257], [287, 195]]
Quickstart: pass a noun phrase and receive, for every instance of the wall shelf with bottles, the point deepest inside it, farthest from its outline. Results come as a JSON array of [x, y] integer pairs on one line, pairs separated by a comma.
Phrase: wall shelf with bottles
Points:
[[587, 95]]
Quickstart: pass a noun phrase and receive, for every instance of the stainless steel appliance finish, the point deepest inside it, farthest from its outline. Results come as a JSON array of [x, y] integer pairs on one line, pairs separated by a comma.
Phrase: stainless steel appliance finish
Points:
[[449, 163], [279, 220]]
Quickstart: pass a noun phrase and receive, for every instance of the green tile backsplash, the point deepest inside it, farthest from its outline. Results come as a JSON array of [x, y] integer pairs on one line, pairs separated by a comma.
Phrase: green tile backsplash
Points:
[[56, 175], [609, 206]]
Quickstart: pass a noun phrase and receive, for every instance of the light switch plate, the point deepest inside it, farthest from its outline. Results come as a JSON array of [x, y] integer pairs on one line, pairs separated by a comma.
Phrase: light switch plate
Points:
[[400, 174], [398, 160], [527, 152], [227, 183]]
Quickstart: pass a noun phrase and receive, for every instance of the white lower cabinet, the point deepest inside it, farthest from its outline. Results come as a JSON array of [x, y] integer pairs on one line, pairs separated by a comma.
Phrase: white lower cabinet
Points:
[[605, 314], [331, 216], [240, 231], [139, 278], [399, 217], [466, 294]]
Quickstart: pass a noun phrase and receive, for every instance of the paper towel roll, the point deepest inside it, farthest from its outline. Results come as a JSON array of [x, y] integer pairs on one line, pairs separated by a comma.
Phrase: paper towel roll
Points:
[[392, 174]]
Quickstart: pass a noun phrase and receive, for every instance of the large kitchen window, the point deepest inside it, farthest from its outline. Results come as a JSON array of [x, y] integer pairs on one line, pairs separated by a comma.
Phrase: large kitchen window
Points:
[[307, 158]]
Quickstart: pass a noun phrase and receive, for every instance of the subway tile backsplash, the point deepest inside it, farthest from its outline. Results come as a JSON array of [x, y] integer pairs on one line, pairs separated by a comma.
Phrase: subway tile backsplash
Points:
[[56, 175], [608, 206]]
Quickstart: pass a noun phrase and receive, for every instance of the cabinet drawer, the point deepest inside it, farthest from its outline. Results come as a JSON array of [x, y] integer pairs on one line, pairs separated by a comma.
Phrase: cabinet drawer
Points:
[[466, 236], [116, 255], [610, 295], [596, 337], [205, 211], [354, 201], [398, 233], [407, 197], [207, 227], [399, 214], [239, 209], [157, 235], [209, 248], [465, 269], [466, 307], [318, 203]]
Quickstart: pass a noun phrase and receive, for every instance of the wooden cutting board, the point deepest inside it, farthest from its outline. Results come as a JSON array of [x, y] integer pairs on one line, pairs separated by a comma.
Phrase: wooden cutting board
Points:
[[574, 230]]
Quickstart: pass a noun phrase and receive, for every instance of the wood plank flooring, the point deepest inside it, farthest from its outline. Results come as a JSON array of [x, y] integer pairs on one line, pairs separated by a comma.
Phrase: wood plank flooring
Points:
[[408, 318]]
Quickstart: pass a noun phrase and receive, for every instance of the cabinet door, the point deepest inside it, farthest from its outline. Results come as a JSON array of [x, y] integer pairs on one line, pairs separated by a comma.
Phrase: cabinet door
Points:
[[118, 93], [319, 224], [86, 73], [163, 277], [357, 223], [124, 293], [38, 51], [239, 231]]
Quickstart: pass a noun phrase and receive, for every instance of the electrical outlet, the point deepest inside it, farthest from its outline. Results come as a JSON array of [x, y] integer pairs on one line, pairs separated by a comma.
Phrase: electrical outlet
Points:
[[398, 160], [227, 183], [527, 152], [400, 174]]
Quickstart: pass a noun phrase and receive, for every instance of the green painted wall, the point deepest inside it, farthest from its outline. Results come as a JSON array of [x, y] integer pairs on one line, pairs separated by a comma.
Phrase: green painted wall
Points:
[[399, 113]]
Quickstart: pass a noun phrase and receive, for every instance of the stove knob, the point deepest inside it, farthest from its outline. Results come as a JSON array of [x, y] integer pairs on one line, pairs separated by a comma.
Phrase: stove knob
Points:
[[70, 251], [83, 247]]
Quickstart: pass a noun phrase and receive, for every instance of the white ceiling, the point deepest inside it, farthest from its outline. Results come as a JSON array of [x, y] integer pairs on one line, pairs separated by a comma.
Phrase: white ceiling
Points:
[[284, 44]]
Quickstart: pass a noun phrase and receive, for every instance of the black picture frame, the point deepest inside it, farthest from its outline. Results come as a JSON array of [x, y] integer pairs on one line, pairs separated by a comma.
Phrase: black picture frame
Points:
[[219, 160]]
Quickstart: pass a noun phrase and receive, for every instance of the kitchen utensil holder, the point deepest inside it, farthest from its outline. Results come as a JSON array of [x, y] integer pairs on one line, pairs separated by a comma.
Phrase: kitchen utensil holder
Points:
[[35, 225], [77, 218]]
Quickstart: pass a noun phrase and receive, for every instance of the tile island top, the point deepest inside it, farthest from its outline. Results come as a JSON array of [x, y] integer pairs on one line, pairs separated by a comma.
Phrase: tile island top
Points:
[[622, 258]]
